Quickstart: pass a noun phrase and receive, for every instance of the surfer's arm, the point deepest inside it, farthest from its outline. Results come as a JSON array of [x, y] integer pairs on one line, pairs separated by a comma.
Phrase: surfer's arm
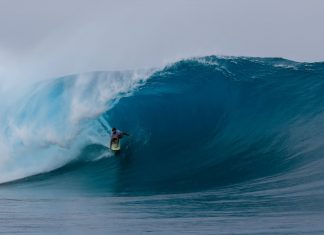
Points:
[[125, 133]]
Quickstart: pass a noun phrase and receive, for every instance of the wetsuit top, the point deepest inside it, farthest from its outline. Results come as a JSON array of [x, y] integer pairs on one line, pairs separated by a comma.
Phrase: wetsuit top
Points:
[[116, 135]]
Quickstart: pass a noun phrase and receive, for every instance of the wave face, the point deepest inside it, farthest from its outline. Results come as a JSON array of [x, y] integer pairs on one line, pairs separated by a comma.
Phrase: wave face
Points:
[[212, 122], [197, 124]]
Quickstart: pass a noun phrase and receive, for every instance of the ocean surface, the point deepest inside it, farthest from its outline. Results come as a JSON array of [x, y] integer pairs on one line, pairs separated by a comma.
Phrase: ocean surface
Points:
[[218, 145]]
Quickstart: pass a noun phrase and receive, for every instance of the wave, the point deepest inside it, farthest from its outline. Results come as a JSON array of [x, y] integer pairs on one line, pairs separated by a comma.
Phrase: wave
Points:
[[196, 124]]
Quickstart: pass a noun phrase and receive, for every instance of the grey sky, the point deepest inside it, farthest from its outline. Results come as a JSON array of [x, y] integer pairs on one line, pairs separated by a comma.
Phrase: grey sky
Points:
[[46, 38]]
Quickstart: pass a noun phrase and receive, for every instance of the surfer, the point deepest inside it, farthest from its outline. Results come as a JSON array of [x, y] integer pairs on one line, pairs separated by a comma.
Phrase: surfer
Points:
[[116, 135]]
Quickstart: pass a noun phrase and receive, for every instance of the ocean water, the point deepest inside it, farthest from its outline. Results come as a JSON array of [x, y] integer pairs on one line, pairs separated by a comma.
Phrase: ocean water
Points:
[[218, 145]]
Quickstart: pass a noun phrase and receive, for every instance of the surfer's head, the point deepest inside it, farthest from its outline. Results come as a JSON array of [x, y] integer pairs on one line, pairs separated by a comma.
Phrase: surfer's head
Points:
[[114, 129]]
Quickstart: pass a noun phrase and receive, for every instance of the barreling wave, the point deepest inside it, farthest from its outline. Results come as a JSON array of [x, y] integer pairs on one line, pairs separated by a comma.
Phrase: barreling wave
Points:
[[196, 124]]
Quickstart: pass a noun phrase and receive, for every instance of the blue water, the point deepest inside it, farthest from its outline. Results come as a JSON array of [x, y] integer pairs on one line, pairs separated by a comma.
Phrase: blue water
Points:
[[218, 145]]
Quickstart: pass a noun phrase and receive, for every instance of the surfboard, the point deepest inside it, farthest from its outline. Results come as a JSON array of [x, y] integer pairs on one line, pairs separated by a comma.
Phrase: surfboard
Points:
[[115, 146]]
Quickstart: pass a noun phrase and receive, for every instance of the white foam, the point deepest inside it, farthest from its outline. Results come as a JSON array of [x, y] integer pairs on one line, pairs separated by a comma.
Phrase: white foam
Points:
[[42, 132]]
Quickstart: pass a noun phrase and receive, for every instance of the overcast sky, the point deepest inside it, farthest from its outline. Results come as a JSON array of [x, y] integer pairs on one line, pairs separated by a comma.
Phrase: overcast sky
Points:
[[48, 38]]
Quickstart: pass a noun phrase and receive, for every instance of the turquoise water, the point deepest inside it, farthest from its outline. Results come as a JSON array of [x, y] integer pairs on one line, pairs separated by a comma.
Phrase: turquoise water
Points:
[[219, 145]]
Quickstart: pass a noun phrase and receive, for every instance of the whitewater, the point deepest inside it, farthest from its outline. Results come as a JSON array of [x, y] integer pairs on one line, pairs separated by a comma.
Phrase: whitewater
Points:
[[219, 145]]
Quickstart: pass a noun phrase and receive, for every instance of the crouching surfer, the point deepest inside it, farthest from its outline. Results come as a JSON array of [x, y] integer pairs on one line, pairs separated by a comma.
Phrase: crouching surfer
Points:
[[116, 135]]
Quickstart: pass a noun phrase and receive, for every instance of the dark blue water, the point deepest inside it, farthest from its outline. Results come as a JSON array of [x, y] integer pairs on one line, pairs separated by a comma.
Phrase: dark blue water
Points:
[[217, 146]]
